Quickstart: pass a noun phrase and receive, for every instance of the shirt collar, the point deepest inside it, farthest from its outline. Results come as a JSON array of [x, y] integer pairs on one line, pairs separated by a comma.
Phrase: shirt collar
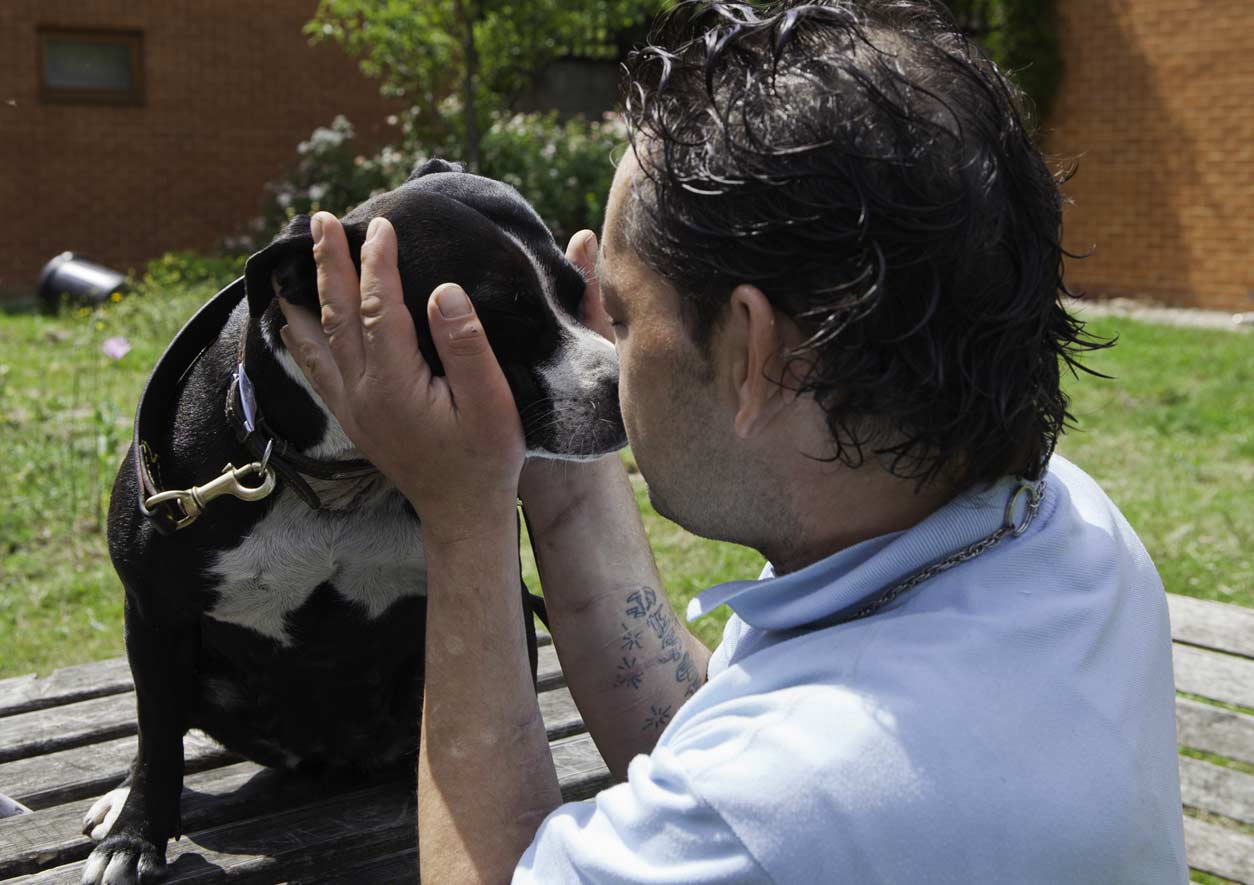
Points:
[[848, 576]]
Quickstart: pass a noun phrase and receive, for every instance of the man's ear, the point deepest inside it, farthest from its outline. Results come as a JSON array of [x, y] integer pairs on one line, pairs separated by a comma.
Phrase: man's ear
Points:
[[754, 332]]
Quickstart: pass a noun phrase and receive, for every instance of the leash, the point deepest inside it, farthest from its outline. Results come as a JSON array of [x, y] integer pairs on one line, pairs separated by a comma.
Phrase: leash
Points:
[[275, 458]]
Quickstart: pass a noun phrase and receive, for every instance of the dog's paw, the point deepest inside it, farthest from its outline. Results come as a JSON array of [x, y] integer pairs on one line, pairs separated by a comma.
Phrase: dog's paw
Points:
[[99, 819], [124, 860]]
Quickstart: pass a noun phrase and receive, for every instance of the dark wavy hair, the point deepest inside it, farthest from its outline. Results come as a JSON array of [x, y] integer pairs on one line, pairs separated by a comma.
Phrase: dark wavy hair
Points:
[[869, 169]]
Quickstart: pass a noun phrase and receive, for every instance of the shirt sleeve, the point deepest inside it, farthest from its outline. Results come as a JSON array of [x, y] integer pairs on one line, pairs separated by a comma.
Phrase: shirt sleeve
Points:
[[652, 829]]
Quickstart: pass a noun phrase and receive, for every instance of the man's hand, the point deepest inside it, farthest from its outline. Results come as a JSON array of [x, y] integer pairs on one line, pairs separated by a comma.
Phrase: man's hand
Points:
[[453, 444], [547, 486]]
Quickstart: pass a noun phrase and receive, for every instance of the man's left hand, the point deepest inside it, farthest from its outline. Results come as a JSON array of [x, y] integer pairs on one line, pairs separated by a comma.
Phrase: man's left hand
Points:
[[453, 444]]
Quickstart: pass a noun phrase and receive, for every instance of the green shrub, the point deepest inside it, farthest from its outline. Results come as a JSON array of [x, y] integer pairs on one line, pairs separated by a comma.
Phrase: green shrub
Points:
[[180, 270], [563, 168], [331, 173], [1022, 37]]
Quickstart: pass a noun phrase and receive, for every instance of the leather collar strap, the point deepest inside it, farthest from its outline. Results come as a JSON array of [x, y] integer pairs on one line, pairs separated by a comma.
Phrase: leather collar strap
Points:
[[255, 435], [152, 416], [159, 392]]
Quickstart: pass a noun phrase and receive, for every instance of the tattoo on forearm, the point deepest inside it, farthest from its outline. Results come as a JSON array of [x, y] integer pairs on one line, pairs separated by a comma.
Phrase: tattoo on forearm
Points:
[[657, 718], [630, 638], [629, 673], [645, 604], [641, 602]]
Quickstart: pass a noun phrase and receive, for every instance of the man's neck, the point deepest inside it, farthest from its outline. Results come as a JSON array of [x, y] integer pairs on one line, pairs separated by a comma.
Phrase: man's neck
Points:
[[841, 507]]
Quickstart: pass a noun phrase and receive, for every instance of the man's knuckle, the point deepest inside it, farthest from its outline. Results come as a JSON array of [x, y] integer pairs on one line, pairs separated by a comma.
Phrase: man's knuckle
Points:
[[333, 320], [373, 301], [325, 253]]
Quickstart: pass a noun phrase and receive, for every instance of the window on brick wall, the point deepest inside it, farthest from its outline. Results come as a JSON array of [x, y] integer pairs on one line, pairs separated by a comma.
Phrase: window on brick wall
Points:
[[91, 65]]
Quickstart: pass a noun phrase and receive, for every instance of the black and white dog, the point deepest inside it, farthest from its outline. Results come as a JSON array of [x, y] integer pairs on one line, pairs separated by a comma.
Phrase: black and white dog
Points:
[[290, 628]]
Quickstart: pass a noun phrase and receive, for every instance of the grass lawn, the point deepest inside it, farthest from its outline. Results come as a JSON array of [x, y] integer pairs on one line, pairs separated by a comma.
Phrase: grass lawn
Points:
[[1171, 439]]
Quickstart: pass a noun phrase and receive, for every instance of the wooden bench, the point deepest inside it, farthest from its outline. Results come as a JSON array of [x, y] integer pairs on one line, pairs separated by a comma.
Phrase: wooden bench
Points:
[[1213, 652], [67, 738]]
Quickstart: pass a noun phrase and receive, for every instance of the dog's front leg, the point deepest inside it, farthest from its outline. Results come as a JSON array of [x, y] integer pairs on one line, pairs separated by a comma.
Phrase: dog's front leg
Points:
[[134, 821]]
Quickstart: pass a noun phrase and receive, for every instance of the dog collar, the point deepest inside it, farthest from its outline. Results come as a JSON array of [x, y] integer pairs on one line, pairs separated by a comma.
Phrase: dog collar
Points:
[[252, 431], [170, 511]]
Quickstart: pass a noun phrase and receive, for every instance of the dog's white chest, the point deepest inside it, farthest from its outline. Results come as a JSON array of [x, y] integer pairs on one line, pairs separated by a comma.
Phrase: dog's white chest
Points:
[[372, 557]]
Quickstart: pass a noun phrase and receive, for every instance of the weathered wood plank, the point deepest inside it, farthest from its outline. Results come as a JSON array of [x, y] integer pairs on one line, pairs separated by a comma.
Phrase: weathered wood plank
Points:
[[394, 869], [1213, 675], [89, 771], [561, 716], [52, 831], [1219, 790], [91, 768], [580, 769], [312, 841], [548, 670], [1213, 625], [312, 838], [51, 837], [1214, 730], [102, 719], [21, 694], [81, 682], [66, 726], [1218, 850]]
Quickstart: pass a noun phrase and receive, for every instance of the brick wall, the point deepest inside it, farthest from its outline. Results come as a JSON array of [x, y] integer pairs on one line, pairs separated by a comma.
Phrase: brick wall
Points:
[[1158, 106], [231, 87]]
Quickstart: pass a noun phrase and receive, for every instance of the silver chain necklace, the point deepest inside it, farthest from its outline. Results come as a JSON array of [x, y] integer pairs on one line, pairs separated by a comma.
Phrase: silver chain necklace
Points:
[[1034, 492]]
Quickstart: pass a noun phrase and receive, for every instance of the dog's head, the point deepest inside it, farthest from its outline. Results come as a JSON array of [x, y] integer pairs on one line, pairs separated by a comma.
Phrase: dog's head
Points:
[[454, 227]]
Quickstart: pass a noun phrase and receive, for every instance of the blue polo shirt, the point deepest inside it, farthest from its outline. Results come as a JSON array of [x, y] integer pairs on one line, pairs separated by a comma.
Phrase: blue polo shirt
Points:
[[1009, 720]]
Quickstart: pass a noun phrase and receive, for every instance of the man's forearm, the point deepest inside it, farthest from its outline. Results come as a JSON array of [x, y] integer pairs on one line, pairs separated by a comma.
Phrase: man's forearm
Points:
[[628, 660], [485, 774]]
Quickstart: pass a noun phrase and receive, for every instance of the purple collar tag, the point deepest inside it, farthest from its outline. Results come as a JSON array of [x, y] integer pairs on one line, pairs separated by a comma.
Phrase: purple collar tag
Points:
[[247, 398]]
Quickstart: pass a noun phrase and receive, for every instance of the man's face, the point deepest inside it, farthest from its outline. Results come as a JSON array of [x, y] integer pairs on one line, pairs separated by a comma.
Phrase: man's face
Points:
[[677, 415]]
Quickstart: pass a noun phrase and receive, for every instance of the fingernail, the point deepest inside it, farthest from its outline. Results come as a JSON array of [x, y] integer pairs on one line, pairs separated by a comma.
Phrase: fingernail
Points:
[[452, 301], [315, 228], [590, 247], [376, 225]]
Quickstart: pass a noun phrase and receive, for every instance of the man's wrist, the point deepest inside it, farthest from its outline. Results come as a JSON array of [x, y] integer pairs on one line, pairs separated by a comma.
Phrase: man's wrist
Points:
[[468, 527], [556, 491]]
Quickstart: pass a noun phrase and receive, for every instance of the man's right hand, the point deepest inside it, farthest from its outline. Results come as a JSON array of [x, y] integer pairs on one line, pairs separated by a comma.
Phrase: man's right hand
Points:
[[548, 487]]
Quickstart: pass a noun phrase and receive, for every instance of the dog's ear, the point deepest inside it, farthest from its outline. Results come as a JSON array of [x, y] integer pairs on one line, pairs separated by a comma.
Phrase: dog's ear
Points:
[[285, 267], [435, 165]]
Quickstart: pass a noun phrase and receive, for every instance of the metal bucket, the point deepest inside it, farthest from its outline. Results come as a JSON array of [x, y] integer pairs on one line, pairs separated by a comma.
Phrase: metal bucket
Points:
[[79, 280]]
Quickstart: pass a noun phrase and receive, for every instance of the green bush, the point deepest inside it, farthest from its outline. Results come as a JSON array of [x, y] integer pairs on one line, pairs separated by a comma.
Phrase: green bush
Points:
[[181, 270], [564, 169], [330, 173], [1021, 36]]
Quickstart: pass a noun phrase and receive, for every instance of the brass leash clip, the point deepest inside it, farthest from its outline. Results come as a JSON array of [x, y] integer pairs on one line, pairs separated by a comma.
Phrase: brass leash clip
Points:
[[230, 482]]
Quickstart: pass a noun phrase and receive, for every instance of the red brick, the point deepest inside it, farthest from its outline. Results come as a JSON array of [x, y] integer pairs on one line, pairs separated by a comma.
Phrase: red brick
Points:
[[1155, 103], [231, 88]]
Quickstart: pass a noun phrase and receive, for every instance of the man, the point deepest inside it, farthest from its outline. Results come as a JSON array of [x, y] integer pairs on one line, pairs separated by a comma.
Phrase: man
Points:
[[831, 267]]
